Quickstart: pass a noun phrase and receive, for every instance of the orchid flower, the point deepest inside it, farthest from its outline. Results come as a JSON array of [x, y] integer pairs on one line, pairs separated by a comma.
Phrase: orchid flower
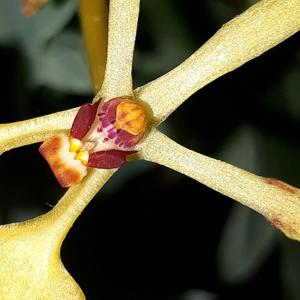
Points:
[[85, 146]]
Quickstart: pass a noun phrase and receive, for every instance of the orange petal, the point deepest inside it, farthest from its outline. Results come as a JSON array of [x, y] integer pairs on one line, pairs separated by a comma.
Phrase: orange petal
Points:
[[130, 117], [67, 170]]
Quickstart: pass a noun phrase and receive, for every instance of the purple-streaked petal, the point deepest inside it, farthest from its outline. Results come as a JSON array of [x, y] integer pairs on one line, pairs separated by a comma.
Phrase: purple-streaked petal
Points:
[[107, 111]]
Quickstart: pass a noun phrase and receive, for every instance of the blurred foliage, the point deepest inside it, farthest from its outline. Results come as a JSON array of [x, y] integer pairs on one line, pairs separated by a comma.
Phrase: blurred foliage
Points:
[[55, 58], [248, 238], [161, 235]]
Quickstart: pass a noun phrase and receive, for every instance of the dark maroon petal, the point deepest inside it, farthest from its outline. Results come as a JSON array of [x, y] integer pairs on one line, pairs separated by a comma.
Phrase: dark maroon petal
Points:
[[108, 159], [84, 120]]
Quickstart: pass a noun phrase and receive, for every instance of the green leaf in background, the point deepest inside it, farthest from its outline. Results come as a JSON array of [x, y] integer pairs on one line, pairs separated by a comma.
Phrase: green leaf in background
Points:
[[282, 159], [283, 94], [198, 295], [32, 32], [248, 238], [242, 149], [246, 242], [171, 38], [62, 66], [9, 13], [224, 10], [221, 11], [55, 56], [127, 173], [291, 90], [250, 2], [290, 270]]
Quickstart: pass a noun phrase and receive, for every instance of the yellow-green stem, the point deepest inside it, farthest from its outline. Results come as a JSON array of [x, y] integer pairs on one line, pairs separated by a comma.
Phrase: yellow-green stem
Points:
[[17, 134], [75, 200], [123, 18], [258, 29], [276, 200]]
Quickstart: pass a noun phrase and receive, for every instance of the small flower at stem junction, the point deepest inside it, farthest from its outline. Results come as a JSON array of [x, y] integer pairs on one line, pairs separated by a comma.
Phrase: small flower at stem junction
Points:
[[102, 136]]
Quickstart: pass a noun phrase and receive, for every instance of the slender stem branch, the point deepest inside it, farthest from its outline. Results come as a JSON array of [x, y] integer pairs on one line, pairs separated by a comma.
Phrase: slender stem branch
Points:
[[123, 17], [75, 200], [17, 134], [276, 200], [258, 29], [31, 266], [93, 17]]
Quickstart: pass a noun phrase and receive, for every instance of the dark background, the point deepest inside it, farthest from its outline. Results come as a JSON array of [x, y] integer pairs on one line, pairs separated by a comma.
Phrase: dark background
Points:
[[152, 233]]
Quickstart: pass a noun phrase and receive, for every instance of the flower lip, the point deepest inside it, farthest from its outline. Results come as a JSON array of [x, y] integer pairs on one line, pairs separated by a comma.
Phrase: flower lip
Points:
[[67, 169]]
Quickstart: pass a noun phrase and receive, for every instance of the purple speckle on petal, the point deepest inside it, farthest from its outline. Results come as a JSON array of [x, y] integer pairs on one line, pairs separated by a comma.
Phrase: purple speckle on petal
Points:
[[112, 134], [105, 123]]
